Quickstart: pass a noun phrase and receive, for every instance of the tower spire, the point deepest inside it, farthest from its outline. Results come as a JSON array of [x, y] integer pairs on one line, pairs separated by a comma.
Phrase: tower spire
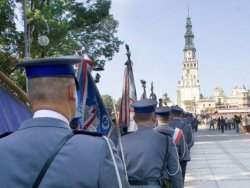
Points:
[[189, 36]]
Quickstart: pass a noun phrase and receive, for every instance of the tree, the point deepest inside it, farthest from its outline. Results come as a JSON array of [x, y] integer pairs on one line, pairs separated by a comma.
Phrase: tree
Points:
[[11, 44], [108, 102], [118, 104], [72, 26]]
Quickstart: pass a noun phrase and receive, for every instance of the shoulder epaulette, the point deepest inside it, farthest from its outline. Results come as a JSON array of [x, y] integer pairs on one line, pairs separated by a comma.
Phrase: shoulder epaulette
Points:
[[75, 132], [5, 134], [166, 132], [123, 134]]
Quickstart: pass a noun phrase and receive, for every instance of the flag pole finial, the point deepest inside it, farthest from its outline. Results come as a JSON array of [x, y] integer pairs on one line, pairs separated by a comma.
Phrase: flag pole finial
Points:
[[128, 52]]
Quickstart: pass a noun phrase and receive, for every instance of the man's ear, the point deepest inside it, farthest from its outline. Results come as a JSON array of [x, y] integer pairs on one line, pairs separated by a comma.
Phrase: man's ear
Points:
[[72, 93], [154, 119]]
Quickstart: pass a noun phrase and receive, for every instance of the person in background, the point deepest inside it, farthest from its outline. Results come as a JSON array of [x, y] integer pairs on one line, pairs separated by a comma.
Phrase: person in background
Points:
[[237, 121], [222, 124]]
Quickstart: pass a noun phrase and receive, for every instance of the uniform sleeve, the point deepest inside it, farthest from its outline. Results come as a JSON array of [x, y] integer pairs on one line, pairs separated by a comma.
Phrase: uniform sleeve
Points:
[[107, 173], [181, 146], [173, 166], [190, 140]]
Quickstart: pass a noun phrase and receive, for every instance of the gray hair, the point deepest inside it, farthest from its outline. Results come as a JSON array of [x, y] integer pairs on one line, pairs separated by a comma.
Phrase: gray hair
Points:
[[48, 89]]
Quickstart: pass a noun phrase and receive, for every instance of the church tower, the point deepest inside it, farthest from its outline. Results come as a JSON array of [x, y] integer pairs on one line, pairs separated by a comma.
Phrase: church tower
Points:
[[188, 91]]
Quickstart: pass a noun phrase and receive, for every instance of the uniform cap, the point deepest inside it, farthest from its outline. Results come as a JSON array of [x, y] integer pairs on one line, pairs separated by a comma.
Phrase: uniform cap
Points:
[[163, 111], [51, 67], [144, 106], [176, 110]]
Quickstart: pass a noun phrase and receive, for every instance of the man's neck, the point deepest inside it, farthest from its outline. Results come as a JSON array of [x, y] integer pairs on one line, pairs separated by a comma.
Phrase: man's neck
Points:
[[147, 123], [163, 122], [176, 117]]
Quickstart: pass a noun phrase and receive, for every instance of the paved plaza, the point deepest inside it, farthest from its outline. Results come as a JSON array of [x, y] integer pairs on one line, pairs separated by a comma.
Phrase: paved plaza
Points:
[[219, 160]]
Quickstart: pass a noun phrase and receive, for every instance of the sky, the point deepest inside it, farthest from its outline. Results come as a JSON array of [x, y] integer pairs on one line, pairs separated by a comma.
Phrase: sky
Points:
[[154, 31]]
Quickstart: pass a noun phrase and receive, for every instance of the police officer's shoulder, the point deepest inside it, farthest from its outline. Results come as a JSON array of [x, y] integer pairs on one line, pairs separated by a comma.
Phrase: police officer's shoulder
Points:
[[5, 134], [80, 132], [166, 131], [126, 133]]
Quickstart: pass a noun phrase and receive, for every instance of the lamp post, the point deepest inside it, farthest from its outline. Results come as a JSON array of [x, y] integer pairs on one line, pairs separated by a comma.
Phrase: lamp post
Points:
[[26, 33], [97, 78], [43, 39]]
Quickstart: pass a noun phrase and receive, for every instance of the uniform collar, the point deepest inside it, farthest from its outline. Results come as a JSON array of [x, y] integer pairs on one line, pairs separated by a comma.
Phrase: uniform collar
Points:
[[163, 124], [44, 122], [144, 127], [50, 114]]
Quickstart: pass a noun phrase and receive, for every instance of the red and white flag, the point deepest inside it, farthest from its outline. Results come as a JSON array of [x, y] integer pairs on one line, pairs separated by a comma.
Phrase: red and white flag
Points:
[[126, 115]]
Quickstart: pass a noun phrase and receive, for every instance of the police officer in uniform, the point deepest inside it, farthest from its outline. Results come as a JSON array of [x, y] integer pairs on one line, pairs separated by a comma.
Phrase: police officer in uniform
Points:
[[177, 122], [188, 118], [36, 155], [163, 119], [150, 156]]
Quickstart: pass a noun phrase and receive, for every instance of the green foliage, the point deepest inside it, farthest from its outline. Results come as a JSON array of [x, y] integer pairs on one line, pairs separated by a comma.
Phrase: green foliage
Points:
[[72, 26], [108, 102], [118, 105], [10, 40]]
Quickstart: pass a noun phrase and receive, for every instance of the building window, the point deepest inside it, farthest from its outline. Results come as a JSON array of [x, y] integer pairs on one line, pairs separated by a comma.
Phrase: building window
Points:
[[203, 105], [191, 65], [194, 64], [209, 104]]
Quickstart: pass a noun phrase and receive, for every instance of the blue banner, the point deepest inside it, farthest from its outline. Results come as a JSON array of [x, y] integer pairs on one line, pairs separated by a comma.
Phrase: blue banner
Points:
[[12, 112], [95, 107]]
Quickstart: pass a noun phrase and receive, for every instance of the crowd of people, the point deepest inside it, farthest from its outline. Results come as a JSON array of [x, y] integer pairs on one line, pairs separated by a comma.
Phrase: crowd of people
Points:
[[49, 151], [237, 122]]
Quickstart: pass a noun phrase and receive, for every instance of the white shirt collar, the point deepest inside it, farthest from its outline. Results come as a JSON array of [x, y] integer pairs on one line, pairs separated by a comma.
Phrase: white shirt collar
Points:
[[51, 114]]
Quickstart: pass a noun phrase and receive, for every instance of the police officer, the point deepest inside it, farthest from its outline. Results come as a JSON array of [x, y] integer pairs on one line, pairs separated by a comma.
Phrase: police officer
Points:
[[163, 119], [177, 122], [188, 118], [150, 157], [36, 155]]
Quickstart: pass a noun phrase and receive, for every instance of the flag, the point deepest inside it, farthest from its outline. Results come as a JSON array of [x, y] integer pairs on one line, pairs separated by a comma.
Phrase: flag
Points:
[[12, 112], [94, 114], [126, 115]]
